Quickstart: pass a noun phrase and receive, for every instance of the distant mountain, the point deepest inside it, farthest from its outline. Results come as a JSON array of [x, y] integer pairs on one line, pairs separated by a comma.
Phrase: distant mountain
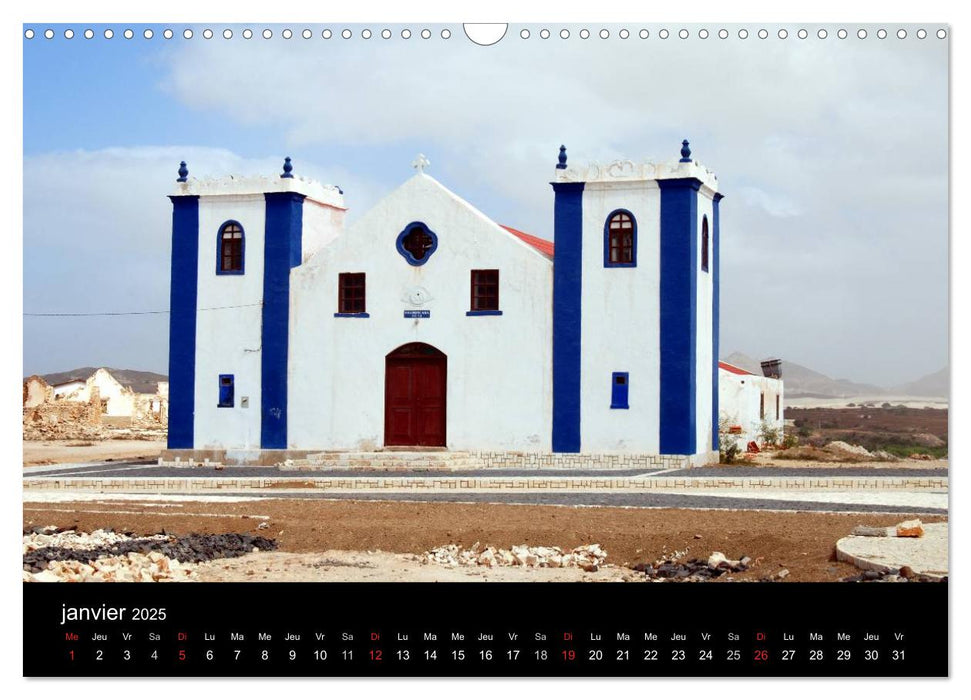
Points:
[[802, 381], [136, 380], [936, 384]]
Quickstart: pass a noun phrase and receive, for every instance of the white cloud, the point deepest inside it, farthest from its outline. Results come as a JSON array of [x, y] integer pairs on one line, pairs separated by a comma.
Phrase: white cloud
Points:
[[97, 237], [832, 156]]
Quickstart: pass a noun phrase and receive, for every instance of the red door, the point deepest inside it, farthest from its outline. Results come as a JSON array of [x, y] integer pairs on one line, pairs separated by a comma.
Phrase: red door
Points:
[[414, 396]]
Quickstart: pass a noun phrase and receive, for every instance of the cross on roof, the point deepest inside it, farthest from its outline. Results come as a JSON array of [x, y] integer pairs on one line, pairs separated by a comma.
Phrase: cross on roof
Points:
[[420, 163]]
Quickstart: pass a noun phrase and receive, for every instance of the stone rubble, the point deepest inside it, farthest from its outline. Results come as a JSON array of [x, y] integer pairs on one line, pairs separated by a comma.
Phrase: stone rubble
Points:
[[587, 557], [841, 446], [908, 528], [672, 568], [50, 554], [902, 575]]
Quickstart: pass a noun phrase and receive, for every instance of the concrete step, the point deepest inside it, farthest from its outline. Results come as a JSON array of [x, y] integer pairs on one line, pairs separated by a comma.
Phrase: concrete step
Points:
[[384, 460]]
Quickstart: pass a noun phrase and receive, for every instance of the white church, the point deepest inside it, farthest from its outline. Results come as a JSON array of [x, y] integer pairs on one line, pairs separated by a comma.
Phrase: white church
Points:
[[426, 325]]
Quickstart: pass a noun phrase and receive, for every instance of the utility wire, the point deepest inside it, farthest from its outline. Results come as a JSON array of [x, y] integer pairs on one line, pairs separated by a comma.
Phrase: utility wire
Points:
[[137, 313]]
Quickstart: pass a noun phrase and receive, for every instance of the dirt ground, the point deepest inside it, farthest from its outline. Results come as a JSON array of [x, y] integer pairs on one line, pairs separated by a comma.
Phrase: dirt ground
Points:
[[803, 543], [768, 459], [37, 452]]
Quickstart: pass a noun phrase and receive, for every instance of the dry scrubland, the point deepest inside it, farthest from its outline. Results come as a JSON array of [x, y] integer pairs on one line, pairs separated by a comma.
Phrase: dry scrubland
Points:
[[898, 430]]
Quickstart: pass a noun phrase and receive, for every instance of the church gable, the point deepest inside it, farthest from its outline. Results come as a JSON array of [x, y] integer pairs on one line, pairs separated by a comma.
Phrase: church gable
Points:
[[423, 293], [449, 225]]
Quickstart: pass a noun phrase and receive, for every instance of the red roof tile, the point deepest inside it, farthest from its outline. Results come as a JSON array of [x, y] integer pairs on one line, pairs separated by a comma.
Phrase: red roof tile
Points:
[[540, 244], [732, 368]]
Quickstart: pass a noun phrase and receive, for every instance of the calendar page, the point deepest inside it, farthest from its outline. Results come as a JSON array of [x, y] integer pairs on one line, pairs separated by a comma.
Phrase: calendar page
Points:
[[554, 349]]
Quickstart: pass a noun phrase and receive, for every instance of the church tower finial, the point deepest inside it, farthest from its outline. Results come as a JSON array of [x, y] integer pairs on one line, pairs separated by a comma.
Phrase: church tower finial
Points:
[[685, 152], [287, 168], [561, 165], [183, 173]]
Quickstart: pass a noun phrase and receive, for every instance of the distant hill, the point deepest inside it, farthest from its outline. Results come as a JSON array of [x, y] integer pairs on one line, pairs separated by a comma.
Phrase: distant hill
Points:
[[936, 384], [801, 381], [136, 380]]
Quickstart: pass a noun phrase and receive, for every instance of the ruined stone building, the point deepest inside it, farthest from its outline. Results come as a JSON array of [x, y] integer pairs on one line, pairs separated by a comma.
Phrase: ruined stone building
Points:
[[111, 402]]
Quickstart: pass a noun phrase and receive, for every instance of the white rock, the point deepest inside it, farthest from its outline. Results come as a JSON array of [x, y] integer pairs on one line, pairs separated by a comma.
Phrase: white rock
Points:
[[46, 577]]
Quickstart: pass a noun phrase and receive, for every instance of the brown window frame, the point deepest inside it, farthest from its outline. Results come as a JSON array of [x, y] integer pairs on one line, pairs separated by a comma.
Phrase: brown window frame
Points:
[[231, 248], [621, 240], [352, 293], [484, 293], [418, 242]]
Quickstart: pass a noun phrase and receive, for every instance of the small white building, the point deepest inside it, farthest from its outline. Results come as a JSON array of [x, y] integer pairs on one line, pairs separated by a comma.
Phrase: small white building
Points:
[[748, 400], [70, 389], [426, 323]]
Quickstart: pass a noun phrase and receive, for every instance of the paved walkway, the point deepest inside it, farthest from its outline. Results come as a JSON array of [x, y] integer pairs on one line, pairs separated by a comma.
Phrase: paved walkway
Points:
[[855, 502], [891, 490], [153, 470], [925, 555]]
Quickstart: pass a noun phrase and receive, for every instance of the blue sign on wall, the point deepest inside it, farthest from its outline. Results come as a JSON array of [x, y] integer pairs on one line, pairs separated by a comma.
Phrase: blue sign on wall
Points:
[[418, 313]]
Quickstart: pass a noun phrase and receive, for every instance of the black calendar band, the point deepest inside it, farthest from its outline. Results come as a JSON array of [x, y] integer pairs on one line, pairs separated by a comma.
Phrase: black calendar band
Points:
[[488, 629]]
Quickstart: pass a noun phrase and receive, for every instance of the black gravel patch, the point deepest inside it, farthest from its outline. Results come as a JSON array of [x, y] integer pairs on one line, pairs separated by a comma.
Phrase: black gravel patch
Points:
[[187, 548]]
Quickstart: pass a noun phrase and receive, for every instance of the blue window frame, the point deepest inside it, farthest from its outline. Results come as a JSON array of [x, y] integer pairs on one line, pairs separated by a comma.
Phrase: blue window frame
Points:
[[417, 243], [230, 249], [619, 384], [227, 390], [704, 243], [620, 239]]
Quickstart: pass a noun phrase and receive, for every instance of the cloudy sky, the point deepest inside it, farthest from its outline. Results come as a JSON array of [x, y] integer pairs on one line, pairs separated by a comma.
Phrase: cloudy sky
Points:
[[832, 155]]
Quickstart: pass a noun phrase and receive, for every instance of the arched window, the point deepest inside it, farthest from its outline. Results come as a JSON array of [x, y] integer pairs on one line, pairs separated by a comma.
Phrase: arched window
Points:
[[620, 239], [231, 242], [704, 243]]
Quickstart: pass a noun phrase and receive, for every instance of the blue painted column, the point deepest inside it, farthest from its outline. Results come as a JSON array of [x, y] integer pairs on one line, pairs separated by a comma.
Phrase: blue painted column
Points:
[[679, 315], [182, 321], [567, 287], [282, 251], [715, 300]]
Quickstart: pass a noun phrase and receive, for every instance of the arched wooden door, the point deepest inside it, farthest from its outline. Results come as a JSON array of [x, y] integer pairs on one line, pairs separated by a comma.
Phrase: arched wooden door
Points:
[[414, 396]]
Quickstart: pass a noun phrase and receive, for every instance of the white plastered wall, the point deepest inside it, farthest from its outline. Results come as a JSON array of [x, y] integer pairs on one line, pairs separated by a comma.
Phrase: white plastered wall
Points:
[[739, 398], [229, 340], [620, 323], [704, 331], [499, 379]]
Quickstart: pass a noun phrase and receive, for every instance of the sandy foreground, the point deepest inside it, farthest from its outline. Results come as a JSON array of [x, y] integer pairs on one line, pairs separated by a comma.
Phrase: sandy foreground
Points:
[[37, 452], [338, 565], [353, 535]]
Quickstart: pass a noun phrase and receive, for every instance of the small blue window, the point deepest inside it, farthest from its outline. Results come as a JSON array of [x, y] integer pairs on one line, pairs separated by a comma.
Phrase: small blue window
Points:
[[227, 390], [619, 383], [416, 243]]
